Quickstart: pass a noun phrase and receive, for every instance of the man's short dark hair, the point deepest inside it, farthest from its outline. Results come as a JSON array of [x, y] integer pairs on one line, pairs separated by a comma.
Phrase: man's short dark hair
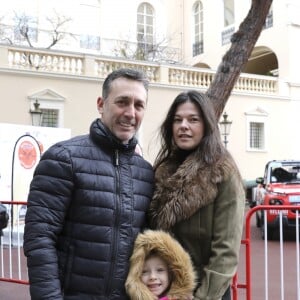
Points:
[[131, 74]]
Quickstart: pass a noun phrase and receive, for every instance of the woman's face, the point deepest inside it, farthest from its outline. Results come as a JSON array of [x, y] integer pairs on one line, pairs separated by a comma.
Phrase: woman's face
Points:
[[188, 126]]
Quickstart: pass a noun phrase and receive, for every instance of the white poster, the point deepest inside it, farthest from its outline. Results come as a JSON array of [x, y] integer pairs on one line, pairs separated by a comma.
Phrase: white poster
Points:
[[20, 150]]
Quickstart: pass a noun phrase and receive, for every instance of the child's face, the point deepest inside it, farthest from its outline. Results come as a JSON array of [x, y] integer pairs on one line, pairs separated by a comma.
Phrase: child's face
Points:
[[155, 275]]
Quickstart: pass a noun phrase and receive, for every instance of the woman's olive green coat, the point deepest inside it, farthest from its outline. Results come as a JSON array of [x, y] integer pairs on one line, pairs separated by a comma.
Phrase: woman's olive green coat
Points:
[[203, 206]]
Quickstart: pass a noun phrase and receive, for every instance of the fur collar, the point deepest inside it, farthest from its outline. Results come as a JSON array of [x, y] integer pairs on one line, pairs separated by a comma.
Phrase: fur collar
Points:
[[182, 190], [170, 250]]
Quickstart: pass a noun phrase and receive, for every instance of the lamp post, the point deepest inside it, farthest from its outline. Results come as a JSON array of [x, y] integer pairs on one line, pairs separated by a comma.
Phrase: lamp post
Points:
[[225, 128], [36, 114]]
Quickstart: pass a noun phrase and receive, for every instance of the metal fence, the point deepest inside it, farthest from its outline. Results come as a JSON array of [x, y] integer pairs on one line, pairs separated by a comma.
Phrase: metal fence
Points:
[[12, 261], [269, 269], [256, 255]]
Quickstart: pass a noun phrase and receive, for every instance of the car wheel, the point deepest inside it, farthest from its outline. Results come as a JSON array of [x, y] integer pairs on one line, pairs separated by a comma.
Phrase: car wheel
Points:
[[270, 232], [258, 220]]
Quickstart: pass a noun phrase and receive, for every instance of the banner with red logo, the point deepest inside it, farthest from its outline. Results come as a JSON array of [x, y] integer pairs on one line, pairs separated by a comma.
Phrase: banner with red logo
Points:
[[21, 148]]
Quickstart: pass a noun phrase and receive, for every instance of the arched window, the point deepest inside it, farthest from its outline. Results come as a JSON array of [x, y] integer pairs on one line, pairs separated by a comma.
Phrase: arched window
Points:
[[145, 24], [198, 28]]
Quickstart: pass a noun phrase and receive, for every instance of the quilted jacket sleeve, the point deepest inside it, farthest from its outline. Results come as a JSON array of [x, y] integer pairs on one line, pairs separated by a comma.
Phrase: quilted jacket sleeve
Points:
[[48, 201]]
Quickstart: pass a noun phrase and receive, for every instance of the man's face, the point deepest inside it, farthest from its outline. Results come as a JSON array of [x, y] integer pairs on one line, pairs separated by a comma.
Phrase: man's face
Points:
[[123, 109]]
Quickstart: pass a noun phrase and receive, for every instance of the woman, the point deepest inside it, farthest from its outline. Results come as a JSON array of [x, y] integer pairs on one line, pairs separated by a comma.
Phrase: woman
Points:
[[199, 195]]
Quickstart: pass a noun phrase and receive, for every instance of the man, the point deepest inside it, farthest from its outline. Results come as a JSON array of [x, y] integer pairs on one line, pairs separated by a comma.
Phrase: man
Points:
[[88, 199]]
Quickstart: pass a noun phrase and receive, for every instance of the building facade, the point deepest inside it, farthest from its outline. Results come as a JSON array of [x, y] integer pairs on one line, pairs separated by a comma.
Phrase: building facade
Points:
[[178, 43]]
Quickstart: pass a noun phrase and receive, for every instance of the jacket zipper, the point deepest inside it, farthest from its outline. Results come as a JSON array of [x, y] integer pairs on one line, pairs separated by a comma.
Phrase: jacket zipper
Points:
[[114, 248]]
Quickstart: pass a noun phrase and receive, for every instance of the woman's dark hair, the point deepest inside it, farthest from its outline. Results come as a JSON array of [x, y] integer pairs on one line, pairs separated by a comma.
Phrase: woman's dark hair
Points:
[[211, 147], [131, 74]]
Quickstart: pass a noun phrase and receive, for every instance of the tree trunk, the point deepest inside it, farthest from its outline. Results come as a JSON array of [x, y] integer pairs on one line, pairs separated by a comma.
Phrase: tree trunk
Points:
[[243, 42]]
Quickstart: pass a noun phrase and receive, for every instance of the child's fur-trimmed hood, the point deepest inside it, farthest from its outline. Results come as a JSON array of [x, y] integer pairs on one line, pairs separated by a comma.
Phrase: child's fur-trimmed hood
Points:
[[178, 261]]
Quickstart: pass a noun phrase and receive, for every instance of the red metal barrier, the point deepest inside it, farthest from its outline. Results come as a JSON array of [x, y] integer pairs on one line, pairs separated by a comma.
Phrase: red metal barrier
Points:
[[235, 285], [248, 250], [12, 261]]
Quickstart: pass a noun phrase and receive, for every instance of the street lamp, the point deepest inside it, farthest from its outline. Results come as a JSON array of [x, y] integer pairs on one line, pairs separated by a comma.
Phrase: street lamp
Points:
[[225, 128], [36, 114]]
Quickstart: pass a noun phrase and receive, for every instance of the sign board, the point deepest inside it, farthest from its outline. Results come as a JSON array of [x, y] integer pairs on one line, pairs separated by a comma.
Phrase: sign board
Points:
[[21, 147]]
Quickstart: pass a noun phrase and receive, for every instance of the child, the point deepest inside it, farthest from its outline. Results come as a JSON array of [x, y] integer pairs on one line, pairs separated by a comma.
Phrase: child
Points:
[[159, 269]]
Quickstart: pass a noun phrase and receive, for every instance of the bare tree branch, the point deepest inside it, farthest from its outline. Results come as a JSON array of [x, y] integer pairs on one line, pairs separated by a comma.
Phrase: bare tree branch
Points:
[[26, 30], [243, 42], [24, 23], [58, 32], [158, 51]]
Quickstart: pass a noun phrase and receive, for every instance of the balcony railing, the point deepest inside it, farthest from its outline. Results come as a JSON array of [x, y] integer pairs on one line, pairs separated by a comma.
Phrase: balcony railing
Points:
[[54, 62], [48, 61]]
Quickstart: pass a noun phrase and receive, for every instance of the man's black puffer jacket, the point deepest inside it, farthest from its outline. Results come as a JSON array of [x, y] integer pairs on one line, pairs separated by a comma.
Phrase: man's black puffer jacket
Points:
[[87, 202]]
